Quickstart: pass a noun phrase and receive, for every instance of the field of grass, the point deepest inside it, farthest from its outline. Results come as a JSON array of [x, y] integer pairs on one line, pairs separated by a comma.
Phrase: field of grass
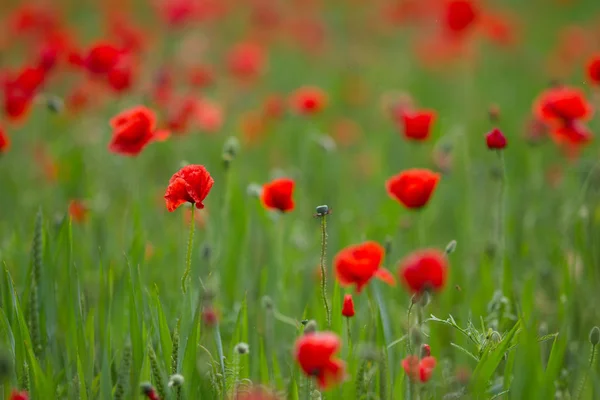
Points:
[[95, 300]]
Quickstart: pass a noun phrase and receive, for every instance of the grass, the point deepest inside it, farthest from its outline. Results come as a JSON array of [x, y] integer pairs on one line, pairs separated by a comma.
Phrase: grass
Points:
[[90, 310]]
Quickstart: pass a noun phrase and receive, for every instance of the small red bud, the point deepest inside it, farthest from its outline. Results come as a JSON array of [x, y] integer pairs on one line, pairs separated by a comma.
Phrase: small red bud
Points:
[[209, 316], [348, 307], [495, 139], [425, 350]]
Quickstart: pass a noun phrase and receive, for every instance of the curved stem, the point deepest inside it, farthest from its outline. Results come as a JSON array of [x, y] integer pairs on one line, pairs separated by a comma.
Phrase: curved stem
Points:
[[188, 260]]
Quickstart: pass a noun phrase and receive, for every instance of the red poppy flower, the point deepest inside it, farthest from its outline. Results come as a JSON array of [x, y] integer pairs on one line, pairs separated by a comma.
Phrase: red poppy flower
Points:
[[315, 354], [459, 15], [593, 70], [209, 116], [277, 195], [274, 106], [495, 139], [246, 60], [191, 184], [181, 113], [20, 90], [308, 100], [4, 142], [200, 76], [16, 395], [413, 187], [419, 370], [357, 264], [417, 124], [101, 58], [120, 77], [424, 270], [133, 129], [348, 306], [562, 104], [78, 211], [256, 393]]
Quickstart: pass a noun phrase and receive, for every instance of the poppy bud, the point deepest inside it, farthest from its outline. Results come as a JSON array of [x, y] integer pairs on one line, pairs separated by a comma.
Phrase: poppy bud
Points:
[[495, 139], [348, 307], [310, 327], [595, 336], [55, 104], [242, 348], [267, 303], [209, 316], [494, 113], [230, 150], [451, 247], [176, 380], [425, 350], [322, 210]]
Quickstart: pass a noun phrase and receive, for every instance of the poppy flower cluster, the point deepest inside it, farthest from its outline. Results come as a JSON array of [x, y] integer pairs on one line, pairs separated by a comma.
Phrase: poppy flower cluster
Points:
[[315, 352], [564, 110]]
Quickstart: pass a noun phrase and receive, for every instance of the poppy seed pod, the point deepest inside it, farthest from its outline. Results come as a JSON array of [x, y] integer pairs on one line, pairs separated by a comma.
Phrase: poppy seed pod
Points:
[[322, 210], [242, 348], [310, 327], [55, 104], [176, 380]]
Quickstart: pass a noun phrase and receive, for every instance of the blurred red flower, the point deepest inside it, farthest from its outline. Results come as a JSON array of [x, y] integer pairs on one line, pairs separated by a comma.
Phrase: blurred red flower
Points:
[[101, 58], [256, 393], [78, 211], [424, 270], [277, 195], [562, 104], [191, 184], [593, 69], [413, 187], [246, 60], [308, 100], [357, 264], [200, 76], [4, 141], [459, 15], [274, 106], [417, 124], [348, 306], [419, 370], [133, 129], [20, 90], [315, 354], [495, 139], [17, 395]]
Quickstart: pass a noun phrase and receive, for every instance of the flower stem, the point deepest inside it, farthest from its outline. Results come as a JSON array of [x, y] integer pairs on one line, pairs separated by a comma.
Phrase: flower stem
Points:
[[188, 260], [349, 334], [323, 275], [500, 228]]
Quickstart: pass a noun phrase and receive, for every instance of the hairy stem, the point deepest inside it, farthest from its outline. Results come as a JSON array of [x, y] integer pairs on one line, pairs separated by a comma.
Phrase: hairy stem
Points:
[[188, 260], [323, 274]]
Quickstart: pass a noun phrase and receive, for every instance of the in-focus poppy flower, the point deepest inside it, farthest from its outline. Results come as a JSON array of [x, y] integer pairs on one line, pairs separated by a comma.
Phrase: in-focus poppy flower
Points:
[[413, 187], [101, 58], [562, 104], [315, 352], [419, 370], [133, 129], [593, 70], [348, 306], [417, 124], [495, 139], [459, 15], [191, 184], [246, 60], [17, 395], [308, 100], [4, 141], [78, 211], [278, 194], [424, 270], [357, 264]]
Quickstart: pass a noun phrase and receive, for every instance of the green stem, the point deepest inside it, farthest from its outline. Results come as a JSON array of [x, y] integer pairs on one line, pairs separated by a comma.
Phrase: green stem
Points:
[[323, 274], [585, 375], [349, 335], [500, 228], [219, 343], [188, 260]]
